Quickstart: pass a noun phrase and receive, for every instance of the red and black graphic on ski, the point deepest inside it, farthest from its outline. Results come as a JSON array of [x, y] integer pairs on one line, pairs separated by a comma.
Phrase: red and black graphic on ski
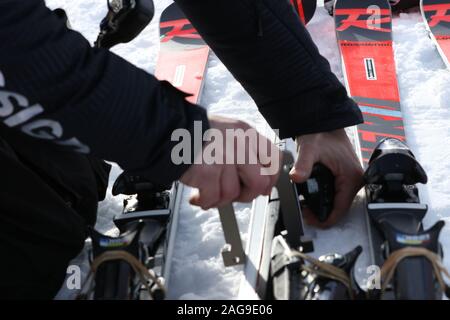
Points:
[[363, 29], [436, 14], [183, 54], [305, 9]]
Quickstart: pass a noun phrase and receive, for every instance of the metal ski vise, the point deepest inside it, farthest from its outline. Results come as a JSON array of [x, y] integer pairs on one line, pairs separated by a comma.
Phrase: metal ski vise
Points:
[[233, 252]]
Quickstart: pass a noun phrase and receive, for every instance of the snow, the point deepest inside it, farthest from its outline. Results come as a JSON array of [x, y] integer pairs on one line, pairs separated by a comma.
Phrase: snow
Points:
[[198, 271]]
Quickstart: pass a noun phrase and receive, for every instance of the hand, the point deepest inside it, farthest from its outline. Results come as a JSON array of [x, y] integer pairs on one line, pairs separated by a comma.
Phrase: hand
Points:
[[228, 181], [334, 150]]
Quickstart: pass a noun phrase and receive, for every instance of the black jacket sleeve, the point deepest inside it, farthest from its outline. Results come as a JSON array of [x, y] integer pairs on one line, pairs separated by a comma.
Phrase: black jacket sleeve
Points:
[[54, 86], [272, 55]]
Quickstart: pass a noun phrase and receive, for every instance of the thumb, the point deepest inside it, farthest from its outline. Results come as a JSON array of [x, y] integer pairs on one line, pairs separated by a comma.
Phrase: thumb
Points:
[[302, 168]]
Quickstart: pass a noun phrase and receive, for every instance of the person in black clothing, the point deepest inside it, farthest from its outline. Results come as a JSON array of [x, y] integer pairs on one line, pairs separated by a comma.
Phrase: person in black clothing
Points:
[[65, 105]]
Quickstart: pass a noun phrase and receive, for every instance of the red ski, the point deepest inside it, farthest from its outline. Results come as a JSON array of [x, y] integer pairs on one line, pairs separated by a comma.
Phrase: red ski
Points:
[[183, 55], [363, 29], [436, 14]]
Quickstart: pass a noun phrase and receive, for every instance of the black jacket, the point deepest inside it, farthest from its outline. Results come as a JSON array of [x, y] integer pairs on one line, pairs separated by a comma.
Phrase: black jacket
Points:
[[55, 87]]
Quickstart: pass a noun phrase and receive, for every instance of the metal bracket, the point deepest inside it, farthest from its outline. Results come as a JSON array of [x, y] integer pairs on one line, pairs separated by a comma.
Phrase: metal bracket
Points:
[[233, 252]]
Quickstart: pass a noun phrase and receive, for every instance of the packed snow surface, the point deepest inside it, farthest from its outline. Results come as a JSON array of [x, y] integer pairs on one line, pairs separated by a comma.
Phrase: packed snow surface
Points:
[[198, 271]]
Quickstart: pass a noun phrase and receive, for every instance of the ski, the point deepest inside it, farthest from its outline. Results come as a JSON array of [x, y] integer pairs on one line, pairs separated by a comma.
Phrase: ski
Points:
[[182, 61], [363, 30], [394, 211], [436, 14], [136, 264], [183, 53]]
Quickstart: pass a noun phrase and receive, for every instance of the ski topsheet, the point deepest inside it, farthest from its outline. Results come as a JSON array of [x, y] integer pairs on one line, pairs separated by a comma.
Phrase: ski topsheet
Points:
[[183, 54], [363, 29], [436, 14], [364, 34]]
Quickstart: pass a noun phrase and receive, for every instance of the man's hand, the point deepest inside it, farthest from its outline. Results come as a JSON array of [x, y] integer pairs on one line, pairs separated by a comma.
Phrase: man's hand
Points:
[[225, 182], [334, 150]]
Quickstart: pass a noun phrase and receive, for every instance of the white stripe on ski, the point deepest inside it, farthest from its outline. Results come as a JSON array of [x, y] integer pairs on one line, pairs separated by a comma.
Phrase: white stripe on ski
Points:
[[380, 111], [178, 78]]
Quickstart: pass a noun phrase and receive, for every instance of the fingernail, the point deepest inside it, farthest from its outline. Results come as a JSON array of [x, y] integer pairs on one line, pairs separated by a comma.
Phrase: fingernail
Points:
[[297, 174]]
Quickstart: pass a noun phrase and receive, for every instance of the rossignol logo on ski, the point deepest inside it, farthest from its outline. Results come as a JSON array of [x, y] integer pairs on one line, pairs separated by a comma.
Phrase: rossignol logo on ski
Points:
[[358, 18], [441, 13], [177, 30], [371, 73]]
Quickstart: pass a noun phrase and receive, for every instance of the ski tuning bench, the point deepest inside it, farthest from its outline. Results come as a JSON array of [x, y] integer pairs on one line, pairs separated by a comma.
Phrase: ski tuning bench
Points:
[[233, 252]]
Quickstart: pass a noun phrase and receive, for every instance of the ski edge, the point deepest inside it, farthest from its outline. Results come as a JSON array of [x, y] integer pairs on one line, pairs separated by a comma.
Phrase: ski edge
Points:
[[432, 37], [171, 237]]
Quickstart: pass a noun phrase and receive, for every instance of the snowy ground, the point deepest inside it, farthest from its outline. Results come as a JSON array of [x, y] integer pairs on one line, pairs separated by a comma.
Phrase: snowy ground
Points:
[[198, 271]]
